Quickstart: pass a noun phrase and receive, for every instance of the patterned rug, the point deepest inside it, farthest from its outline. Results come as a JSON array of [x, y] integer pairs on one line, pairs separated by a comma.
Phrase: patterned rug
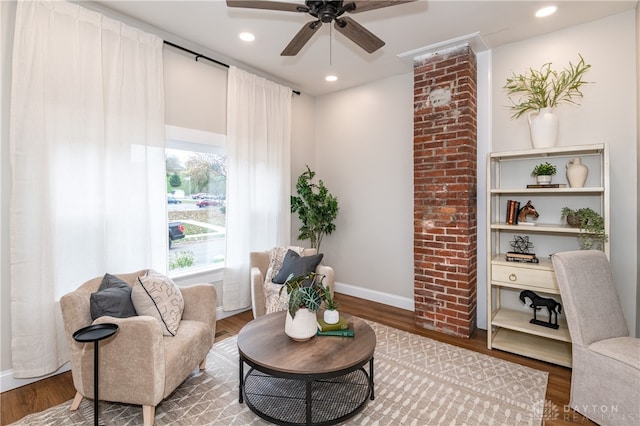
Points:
[[418, 381]]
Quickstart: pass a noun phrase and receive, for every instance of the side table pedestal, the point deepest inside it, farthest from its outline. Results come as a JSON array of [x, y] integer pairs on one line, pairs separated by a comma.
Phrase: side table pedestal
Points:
[[95, 333]]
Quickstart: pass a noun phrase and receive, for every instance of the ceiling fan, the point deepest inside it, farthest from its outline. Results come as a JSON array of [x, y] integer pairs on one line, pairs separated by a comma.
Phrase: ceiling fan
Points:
[[325, 12]]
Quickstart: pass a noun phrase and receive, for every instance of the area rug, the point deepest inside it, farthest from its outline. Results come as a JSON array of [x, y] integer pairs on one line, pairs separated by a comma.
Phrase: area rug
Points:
[[418, 381]]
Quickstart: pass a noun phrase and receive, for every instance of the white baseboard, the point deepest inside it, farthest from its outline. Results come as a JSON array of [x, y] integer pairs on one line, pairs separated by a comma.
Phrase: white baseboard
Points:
[[375, 296], [8, 382]]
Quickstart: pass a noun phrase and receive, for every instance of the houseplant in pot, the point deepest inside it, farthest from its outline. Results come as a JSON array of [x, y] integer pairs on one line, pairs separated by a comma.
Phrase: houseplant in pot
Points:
[[331, 314], [537, 92], [306, 294], [591, 225], [317, 209], [543, 172]]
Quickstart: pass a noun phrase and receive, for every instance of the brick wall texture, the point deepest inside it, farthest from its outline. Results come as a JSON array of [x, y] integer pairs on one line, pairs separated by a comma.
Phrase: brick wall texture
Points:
[[445, 165]]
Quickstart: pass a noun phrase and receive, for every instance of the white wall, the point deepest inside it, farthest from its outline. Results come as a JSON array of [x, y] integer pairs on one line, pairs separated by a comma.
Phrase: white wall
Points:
[[364, 155], [609, 114]]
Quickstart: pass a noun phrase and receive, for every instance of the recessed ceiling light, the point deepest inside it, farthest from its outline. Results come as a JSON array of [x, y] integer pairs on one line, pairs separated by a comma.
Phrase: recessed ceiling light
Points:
[[331, 78], [247, 37], [546, 11]]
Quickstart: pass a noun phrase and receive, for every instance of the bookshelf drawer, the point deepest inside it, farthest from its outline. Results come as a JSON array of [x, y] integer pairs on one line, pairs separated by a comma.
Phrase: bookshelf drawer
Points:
[[523, 277]]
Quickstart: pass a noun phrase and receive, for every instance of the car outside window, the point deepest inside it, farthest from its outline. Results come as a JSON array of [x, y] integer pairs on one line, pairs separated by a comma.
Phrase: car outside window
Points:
[[196, 205]]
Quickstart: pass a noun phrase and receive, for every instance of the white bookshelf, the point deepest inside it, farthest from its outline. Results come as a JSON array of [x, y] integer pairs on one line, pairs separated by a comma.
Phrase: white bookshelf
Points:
[[509, 173]]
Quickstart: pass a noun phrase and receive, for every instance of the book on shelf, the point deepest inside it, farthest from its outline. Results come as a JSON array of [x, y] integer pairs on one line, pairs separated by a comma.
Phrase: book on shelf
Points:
[[521, 255], [513, 256], [342, 324], [512, 212], [343, 333], [547, 185]]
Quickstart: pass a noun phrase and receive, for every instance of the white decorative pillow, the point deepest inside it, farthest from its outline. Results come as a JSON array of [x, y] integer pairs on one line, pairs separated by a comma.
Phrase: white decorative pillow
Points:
[[158, 296], [274, 302]]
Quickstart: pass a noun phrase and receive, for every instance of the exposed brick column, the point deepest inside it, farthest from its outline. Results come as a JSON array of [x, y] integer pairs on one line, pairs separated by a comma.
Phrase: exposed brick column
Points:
[[445, 163]]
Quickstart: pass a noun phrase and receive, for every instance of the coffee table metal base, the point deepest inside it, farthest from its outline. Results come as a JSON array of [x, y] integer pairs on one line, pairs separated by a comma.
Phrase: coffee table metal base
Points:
[[300, 401]]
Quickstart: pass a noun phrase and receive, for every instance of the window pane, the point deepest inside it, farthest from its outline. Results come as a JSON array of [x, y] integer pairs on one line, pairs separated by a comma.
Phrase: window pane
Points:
[[196, 197]]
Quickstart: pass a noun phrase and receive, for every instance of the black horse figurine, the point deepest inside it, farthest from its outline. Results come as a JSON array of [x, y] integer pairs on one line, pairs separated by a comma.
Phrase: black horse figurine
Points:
[[537, 302]]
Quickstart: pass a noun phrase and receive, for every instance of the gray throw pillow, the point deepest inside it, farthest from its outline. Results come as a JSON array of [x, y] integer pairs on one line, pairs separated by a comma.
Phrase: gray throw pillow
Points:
[[297, 265], [113, 298]]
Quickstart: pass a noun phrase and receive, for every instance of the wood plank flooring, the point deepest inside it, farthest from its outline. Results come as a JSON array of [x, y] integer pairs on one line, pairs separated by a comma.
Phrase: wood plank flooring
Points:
[[17, 403]]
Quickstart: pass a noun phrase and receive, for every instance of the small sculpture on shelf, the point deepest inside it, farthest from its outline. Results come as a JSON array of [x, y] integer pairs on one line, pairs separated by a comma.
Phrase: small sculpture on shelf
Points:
[[520, 250], [537, 302], [527, 210]]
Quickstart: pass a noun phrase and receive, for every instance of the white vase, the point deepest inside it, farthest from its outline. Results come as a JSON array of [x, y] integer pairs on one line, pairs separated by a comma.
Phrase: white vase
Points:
[[544, 128], [577, 173], [303, 327], [331, 316]]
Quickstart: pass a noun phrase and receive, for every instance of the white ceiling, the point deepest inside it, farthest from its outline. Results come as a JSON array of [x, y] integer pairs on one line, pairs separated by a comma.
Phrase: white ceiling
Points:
[[420, 25]]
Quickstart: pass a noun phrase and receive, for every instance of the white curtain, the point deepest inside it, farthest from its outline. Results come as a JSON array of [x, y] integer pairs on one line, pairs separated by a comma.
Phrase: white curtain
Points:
[[87, 158], [259, 177]]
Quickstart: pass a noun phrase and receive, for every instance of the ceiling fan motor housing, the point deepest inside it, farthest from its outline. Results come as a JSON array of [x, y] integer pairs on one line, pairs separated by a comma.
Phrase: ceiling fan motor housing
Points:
[[326, 11]]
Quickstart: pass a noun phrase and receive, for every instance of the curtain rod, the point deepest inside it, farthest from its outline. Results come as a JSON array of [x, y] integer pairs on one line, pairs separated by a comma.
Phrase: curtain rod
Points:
[[198, 55]]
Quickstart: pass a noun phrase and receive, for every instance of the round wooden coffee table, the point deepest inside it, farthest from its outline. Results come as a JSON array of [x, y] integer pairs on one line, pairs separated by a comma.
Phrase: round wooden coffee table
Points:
[[318, 382]]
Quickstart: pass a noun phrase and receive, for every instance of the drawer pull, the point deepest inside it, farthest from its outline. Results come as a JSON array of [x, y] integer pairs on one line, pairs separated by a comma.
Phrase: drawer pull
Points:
[[513, 277]]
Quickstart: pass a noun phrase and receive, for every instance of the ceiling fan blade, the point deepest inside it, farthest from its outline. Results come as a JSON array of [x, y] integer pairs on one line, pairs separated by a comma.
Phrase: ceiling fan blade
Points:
[[301, 38], [358, 34], [269, 5], [364, 5]]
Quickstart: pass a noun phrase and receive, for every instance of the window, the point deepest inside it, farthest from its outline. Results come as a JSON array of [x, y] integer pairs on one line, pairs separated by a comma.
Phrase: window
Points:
[[196, 165]]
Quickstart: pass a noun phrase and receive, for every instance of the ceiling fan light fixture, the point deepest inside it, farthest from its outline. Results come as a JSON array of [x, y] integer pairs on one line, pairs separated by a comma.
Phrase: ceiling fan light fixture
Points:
[[331, 78], [546, 11], [246, 36]]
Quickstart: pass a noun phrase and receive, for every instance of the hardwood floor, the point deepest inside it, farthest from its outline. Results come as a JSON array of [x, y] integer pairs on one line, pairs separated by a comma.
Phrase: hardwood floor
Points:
[[41, 395]]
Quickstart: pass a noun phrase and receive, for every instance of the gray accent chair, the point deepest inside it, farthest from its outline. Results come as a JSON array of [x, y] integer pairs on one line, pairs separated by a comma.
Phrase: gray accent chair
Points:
[[605, 382], [259, 263]]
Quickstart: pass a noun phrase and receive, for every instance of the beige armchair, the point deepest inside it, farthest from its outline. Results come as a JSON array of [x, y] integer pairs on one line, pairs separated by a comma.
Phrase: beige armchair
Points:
[[139, 365], [259, 262], [605, 381]]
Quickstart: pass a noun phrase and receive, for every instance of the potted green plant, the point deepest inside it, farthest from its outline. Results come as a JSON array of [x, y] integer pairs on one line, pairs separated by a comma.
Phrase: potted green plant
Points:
[[317, 209], [543, 172], [306, 294], [591, 225], [331, 314], [538, 92]]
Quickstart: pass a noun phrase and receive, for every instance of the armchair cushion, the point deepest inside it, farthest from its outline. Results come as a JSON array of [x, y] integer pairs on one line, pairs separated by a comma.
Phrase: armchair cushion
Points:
[[113, 298], [261, 284], [158, 296], [297, 265], [276, 259]]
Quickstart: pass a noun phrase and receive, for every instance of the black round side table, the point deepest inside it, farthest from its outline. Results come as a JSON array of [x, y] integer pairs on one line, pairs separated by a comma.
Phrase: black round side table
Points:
[[95, 333]]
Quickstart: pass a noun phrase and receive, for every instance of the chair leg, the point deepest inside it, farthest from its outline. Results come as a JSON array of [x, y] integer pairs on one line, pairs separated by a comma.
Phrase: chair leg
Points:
[[76, 401], [203, 364], [148, 414]]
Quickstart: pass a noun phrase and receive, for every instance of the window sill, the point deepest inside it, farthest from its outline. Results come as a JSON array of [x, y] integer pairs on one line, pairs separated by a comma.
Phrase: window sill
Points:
[[195, 276]]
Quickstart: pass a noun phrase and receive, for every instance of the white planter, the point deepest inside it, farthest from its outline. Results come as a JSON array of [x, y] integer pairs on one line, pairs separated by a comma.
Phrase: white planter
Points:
[[544, 128], [543, 179], [331, 316], [303, 327]]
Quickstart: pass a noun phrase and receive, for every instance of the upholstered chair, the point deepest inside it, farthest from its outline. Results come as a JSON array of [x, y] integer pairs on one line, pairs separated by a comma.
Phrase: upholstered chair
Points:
[[259, 262], [140, 364], [605, 381]]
